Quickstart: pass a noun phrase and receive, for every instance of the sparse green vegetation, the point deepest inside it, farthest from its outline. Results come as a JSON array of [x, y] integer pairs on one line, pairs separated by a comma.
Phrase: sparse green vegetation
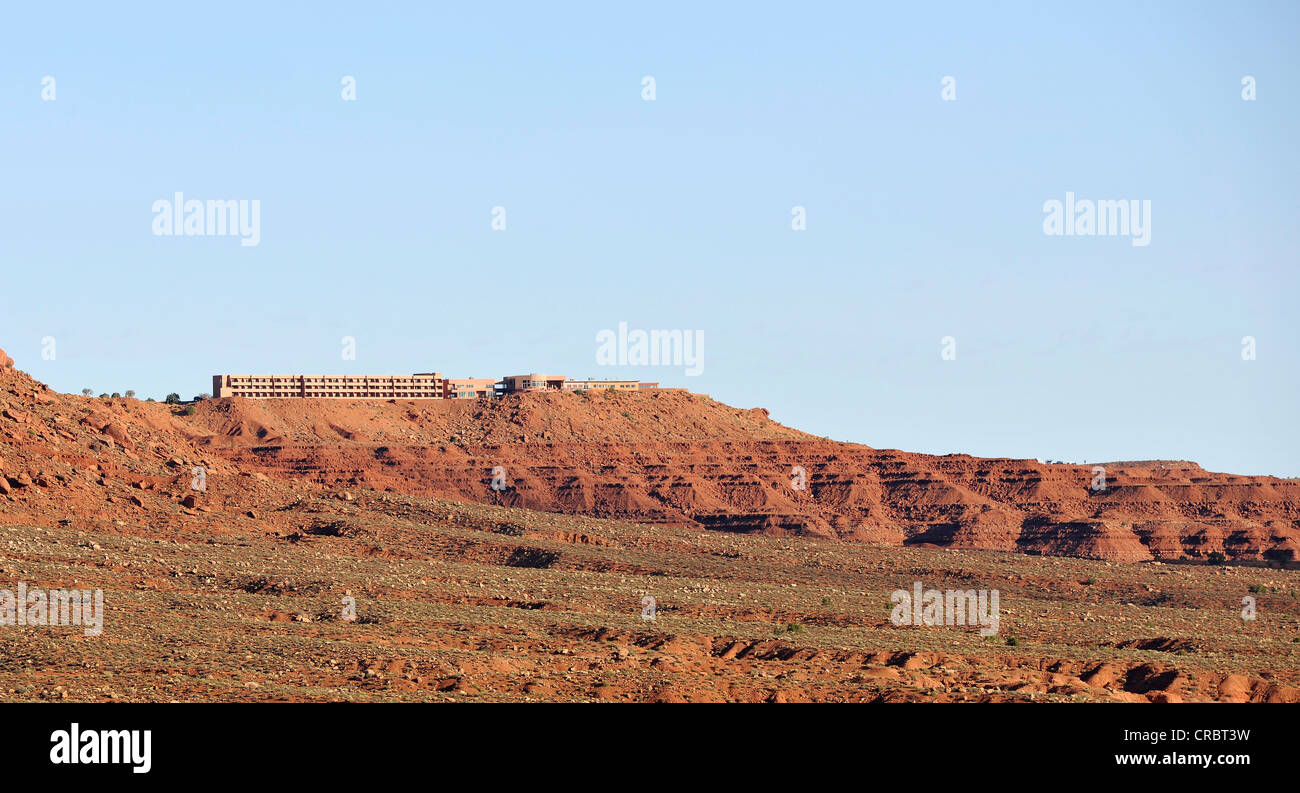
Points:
[[547, 608]]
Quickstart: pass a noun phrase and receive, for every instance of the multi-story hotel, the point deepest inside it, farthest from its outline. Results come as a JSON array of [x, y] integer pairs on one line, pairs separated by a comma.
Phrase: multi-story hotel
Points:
[[427, 385]]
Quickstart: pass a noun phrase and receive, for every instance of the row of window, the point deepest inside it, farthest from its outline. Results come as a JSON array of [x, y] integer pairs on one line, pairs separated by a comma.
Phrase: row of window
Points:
[[334, 393], [281, 381]]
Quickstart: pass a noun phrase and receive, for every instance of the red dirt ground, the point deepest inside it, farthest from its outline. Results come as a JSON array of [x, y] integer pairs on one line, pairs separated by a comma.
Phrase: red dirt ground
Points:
[[534, 592]]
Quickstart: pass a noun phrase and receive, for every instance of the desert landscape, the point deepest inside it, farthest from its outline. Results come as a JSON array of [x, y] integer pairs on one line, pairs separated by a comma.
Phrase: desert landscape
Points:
[[635, 547]]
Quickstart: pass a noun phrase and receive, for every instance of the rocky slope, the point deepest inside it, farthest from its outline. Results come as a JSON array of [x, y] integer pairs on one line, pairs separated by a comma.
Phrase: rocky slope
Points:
[[664, 457], [239, 591]]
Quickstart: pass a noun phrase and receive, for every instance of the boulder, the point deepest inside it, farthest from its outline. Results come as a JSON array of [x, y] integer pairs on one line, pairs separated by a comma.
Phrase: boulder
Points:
[[117, 432]]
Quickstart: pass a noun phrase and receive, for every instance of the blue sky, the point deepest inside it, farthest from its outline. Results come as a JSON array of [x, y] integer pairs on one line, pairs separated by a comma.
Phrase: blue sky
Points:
[[924, 216]]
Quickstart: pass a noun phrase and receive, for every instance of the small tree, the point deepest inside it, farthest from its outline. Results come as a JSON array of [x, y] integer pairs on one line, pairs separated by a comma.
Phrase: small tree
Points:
[[87, 391], [116, 395], [173, 399], [103, 396], [130, 393], [201, 397]]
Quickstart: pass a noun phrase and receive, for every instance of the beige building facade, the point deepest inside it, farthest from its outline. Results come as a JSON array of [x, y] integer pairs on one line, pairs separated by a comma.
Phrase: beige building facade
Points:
[[593, 385], [519, 383], [469, 387], [426, 385], [307, 386]]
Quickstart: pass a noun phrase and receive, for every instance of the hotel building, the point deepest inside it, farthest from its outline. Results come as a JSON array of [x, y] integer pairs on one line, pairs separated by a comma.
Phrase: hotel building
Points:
[[517, 383], [427, 385], [468, 387]]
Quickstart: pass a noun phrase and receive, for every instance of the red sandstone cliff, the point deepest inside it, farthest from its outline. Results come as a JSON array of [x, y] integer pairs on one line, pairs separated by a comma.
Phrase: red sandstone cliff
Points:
[[654, 456]]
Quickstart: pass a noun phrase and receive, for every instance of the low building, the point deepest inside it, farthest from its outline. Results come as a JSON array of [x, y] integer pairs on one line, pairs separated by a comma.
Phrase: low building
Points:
[[591, 385], [469, 387], [519, 383]]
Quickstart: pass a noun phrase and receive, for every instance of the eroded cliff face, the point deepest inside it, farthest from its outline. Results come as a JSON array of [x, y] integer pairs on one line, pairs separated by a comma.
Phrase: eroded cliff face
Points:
[[671, 457], [659, 457]]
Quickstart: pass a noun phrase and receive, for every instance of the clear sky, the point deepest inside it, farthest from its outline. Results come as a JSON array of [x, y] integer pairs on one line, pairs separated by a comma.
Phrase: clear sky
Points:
[[924, 216]]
